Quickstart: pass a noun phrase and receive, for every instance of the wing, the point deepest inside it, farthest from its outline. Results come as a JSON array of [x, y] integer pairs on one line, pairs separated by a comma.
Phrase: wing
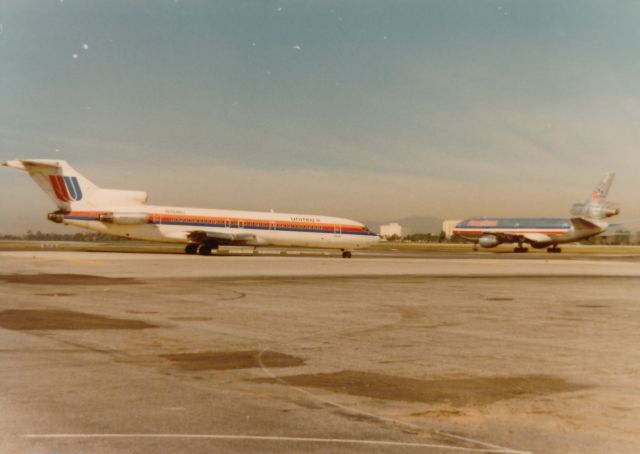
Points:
[[535, 239], [203, 236]]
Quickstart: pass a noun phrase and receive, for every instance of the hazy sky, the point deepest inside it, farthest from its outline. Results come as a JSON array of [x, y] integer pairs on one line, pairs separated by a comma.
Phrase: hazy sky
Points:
[[365, 109]]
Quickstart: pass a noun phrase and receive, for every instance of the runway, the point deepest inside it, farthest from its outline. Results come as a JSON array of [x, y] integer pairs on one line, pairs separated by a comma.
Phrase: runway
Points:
[[162, 353]]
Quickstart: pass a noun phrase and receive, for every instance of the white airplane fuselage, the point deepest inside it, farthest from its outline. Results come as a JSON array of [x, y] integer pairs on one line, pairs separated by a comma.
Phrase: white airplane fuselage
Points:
[[173, 225], [126, 214]]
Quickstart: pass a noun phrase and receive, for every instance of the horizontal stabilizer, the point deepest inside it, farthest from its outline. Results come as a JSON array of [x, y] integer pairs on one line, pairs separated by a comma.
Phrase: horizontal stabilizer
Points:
[[29, 164], [587, 224]]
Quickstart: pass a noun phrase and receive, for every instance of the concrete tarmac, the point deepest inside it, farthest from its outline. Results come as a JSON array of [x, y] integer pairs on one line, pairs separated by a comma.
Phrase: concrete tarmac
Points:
[[164, 353]]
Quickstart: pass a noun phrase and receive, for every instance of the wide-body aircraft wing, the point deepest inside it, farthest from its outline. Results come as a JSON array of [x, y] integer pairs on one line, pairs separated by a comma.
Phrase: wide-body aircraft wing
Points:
[[515, 237]]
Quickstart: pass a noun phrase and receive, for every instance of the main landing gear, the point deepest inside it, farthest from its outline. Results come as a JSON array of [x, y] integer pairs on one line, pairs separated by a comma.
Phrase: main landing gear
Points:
[[346, 254], [520, 248], [554, 249], [202, 249]]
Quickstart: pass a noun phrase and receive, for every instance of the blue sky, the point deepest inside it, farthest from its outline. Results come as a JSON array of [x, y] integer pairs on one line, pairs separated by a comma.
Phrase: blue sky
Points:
[[366, 109]]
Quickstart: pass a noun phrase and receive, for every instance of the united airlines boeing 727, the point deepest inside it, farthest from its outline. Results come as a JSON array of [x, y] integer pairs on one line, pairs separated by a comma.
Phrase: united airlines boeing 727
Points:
[[586, 221], [125, 213]]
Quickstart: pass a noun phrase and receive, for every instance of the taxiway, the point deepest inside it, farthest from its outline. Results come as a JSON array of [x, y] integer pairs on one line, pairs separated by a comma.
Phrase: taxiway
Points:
[[163, 353]]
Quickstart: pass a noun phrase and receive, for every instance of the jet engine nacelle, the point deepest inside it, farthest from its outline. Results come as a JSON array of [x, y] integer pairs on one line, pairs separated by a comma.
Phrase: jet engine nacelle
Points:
[[57, 217], [488, 241], [594, 211], [124, 218]]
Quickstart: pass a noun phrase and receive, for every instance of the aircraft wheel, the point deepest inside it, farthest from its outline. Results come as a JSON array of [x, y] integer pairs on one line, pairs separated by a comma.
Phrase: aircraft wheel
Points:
[[191, 248], [521, 249], [204, 249], [346, 254], [554, 249]]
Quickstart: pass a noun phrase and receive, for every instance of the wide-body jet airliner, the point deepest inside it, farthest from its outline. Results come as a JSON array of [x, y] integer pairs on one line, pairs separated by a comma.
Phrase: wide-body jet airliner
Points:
[[125, 213], [586, 221]]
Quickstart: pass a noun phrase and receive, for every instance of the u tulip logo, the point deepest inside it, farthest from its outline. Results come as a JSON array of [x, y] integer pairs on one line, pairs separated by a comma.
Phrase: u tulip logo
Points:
[[67, 189]]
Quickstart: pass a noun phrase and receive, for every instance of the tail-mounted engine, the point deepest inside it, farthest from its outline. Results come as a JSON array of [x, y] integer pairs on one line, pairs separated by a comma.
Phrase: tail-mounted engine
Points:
[[594, 210], [56, 216], [124, 218]]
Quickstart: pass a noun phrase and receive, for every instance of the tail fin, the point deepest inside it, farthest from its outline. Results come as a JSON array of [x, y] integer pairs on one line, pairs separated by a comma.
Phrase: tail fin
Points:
[[601, 191], [597, 206], [69, 190]]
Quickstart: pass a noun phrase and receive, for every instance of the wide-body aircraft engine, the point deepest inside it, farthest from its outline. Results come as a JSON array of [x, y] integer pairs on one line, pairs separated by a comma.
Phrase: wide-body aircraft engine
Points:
[[488, 241], [594, 210]]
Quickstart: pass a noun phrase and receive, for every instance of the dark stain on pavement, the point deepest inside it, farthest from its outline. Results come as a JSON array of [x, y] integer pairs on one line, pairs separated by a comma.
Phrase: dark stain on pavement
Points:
[[457, 392], [232, 360], [55, 294], [58, 319], [65, 279]]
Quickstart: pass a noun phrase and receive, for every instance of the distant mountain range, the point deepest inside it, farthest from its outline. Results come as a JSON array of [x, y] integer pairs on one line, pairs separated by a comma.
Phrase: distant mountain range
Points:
[[412, 224]]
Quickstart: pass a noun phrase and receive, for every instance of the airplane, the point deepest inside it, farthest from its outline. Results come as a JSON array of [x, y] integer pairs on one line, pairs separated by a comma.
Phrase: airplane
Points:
[[125, 213], [586, 221]]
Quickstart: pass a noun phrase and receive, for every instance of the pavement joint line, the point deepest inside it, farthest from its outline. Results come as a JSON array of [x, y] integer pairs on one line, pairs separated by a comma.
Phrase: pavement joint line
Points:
[[488, 447], [275, 439]]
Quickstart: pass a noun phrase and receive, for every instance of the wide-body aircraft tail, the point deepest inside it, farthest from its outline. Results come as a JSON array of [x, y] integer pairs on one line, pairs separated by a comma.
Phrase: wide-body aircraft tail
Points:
[[71, 191], [596, 206]]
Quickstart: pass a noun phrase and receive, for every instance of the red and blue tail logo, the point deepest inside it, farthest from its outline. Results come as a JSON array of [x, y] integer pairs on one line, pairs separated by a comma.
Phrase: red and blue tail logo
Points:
[[67, 189]]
